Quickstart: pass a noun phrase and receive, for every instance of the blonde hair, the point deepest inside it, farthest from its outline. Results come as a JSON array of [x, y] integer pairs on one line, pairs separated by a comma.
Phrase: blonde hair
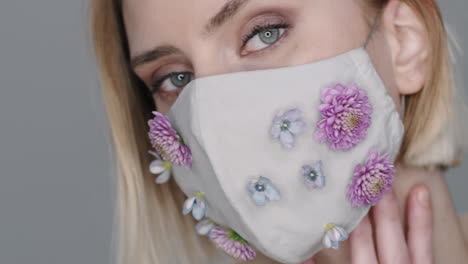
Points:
[[432, 136], [149, 224]]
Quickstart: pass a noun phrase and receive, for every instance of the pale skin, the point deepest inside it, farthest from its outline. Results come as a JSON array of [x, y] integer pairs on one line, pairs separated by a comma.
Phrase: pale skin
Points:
[[402, 227]]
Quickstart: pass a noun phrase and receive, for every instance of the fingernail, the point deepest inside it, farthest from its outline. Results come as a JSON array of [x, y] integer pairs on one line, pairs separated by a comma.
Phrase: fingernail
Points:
[[423, 197]]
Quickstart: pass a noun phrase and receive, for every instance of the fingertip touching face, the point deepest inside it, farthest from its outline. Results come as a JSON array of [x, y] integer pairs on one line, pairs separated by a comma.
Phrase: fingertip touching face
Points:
[[174, 42]]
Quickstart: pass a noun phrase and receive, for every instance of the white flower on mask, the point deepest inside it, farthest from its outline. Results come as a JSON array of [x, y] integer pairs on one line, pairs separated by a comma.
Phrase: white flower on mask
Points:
[[286, 126], [196, 205], [204, 227], [262, 190], [333, 236], [160, 167]]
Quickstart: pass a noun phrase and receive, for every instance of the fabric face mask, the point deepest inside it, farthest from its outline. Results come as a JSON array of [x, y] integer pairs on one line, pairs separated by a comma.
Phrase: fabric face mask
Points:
[[289, 159]]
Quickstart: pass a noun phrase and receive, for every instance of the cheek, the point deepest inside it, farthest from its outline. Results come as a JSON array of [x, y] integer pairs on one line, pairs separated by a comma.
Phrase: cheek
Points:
[[164, 102], [322, 30]]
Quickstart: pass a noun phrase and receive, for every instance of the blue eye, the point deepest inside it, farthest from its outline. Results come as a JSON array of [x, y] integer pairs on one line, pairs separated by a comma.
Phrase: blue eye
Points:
[[172, 81], [262, 37]]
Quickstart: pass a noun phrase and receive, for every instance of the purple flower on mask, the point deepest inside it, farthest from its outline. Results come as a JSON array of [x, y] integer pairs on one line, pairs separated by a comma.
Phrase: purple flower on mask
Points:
[[286, 125], [372, 180], [232, 243], [167, 142], [346, 113]]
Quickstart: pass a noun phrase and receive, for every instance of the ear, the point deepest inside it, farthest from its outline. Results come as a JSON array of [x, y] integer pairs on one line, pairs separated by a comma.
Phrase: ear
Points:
[[408, 40]]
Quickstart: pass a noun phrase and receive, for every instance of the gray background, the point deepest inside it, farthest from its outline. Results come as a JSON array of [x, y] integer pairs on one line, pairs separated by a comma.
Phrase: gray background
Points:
[[55, 191]]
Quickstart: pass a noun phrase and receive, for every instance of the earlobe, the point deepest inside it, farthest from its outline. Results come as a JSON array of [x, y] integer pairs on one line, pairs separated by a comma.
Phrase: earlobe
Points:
[[408, 40]]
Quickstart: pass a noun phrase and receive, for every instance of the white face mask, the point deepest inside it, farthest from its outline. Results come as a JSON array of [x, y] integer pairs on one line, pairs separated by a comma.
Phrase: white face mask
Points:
[[322, 135]]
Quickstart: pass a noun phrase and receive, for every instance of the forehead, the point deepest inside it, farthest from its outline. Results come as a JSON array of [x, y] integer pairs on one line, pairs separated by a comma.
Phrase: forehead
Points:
[[151, 23], [148, 22]]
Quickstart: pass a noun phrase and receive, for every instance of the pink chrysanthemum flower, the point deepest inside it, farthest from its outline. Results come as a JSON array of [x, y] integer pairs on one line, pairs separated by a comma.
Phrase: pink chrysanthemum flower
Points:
[[232, 243], [372, 180], [346, 113], [167, 142]]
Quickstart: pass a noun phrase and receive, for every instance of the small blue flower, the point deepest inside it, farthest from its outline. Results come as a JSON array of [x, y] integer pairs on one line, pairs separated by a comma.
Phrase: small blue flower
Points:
[[313, 175], [263, 189], [196, 205], [286, 125]]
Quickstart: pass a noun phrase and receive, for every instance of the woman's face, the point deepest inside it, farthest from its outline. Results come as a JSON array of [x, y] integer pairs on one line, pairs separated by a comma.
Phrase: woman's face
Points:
[[173, 42]]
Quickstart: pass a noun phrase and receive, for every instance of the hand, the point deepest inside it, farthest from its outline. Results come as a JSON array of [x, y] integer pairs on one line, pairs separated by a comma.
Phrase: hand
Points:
[[383, 239], [380, 238]]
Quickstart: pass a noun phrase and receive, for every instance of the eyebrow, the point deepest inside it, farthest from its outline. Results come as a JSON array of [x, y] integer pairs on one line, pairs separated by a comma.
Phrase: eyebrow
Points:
[[153, 55], [228, 11]]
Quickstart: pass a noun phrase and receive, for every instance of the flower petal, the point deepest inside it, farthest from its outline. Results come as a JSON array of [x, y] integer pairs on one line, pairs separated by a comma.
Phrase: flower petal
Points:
[[340, 233], [277, 119], [259, 198], [272, 193], [320, 182], [200, 200], [292, 115], [251, 186], [156, 155], [309, 182], [188, 205], [334, 234], [264, 181], [335, 244], [157, 167], [326, 241], [287, 139], [204, 227], [198, 211], [275, 130], [306, 169], [297, 127], [164, 177], [318, 167], [329, 241]]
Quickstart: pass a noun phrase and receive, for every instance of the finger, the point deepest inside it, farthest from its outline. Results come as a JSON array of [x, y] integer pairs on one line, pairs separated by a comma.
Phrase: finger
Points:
[[310, 261], [391, 242], [362, 244], [420, 225]]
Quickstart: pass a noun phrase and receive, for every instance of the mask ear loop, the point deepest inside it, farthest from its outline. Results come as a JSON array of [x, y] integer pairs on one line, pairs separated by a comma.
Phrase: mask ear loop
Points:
[[373, 29]]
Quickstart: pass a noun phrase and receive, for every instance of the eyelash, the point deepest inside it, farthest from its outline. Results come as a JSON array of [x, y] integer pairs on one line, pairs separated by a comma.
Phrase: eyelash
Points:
[[155, 87], [260, 28]]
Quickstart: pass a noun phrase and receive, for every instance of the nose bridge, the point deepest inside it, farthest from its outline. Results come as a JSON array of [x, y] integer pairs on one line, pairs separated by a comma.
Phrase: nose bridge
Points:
[[210, 54], [210, 61], [208, 58]]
